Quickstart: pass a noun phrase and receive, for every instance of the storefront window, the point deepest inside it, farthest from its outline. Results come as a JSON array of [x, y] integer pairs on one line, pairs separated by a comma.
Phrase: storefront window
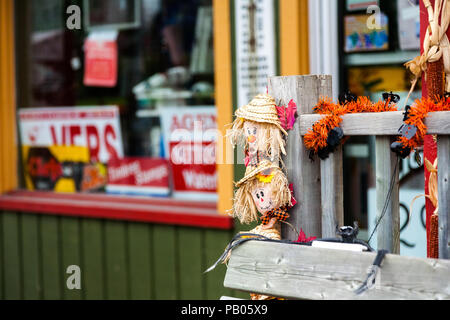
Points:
[[87, 60], [377, 38]]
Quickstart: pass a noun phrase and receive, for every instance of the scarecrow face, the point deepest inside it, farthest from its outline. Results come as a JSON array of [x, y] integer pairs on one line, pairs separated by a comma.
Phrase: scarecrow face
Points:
[[251, 130], [262, 196]]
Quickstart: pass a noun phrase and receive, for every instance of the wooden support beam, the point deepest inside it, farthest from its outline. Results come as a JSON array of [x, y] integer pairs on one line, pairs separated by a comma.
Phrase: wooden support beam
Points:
[[379, 123], [387, 193], [443, 154], [8, 138], [301, 171], [332, 200], [224, 101], [294, 37], [300, 272]]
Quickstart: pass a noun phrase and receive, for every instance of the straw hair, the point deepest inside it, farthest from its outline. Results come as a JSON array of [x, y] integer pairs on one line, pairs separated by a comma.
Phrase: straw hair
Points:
[[269, 138], [244, 207]]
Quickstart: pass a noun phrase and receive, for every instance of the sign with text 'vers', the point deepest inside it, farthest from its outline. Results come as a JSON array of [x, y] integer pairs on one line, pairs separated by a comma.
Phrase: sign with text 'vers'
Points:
[[190, 135], [97, 128], [138, 176]]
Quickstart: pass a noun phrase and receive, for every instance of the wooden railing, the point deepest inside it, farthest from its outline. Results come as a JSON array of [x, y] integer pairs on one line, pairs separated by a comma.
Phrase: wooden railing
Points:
[[313, 273]]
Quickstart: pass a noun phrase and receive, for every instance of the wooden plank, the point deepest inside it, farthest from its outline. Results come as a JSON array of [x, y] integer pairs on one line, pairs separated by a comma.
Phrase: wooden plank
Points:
[[190, 258], [165, 263], [443, 154], [116, 261], [388, 212], [379, 123], [12, 270], [295, 271], [52, 271], [140, 268], [93, 253], [71, 254], [332, 199], [31, 260], [301, 171]]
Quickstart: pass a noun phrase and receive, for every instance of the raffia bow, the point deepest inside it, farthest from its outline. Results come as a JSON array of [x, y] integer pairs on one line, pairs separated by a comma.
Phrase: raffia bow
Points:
[[435, 43]]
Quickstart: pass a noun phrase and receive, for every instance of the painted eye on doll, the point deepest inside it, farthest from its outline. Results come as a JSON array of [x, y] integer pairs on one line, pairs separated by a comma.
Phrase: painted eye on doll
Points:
[[257, 195], [254, 130], [262, 194]]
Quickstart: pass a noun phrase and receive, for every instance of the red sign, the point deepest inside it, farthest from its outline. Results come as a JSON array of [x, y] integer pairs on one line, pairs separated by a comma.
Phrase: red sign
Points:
[[101, 60], [190, 134], [194, 166], [148, 176]]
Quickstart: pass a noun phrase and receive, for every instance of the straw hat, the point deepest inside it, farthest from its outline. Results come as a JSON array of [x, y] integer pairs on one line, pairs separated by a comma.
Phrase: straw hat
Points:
[[262, 109], [252, 171]]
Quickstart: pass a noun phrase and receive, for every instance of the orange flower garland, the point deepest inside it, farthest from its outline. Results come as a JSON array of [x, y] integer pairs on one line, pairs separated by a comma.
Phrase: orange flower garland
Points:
[[416, 115], [316, 138]]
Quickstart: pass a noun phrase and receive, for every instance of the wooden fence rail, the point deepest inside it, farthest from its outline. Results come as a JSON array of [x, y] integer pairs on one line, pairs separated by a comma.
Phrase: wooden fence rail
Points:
[[300, 272]]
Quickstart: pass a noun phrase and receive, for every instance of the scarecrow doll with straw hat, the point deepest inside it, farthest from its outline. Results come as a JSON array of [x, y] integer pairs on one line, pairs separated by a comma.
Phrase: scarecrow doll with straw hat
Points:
[[258, 129], [263, 193]]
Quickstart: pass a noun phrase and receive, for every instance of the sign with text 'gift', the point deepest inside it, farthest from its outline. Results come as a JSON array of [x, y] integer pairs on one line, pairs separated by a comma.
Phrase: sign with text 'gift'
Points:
[[190, 135]]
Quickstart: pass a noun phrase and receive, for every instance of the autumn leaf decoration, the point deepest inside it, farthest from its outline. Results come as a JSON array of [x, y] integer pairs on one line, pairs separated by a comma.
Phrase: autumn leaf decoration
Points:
[[287, 115], [303, 239]]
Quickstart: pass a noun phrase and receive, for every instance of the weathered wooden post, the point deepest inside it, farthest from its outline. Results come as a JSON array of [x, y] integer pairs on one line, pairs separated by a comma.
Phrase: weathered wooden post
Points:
[[302, 172], [387, 190], [332, 193], [443, 154]]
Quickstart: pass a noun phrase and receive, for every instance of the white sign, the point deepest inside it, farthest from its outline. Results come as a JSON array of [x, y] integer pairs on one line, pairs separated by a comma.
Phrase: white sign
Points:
[[255, 47], [97, 128]]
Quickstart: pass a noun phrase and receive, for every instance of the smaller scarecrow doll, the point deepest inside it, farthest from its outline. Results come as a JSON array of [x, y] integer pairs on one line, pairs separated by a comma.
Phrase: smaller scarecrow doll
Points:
[[257, 128], [264, 194], [264, 191]]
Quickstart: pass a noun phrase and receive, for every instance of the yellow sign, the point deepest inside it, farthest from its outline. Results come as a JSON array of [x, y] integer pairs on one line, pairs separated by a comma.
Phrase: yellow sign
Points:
[[61, 169]]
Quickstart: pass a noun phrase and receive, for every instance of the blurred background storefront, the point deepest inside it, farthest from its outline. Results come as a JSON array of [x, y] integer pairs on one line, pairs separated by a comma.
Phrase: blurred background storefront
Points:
[[109, 111]]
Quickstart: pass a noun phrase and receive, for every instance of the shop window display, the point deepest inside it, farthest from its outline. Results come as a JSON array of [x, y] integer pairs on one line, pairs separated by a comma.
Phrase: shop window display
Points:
[[104, 88]]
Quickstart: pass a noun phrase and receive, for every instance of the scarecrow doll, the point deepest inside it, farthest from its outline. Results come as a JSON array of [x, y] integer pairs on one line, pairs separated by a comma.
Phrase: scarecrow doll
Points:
[[257, 128], [264, 194]]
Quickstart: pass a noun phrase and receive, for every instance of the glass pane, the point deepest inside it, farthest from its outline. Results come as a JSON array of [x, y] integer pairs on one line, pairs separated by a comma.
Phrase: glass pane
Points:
[[111, 12], [147, 56]]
